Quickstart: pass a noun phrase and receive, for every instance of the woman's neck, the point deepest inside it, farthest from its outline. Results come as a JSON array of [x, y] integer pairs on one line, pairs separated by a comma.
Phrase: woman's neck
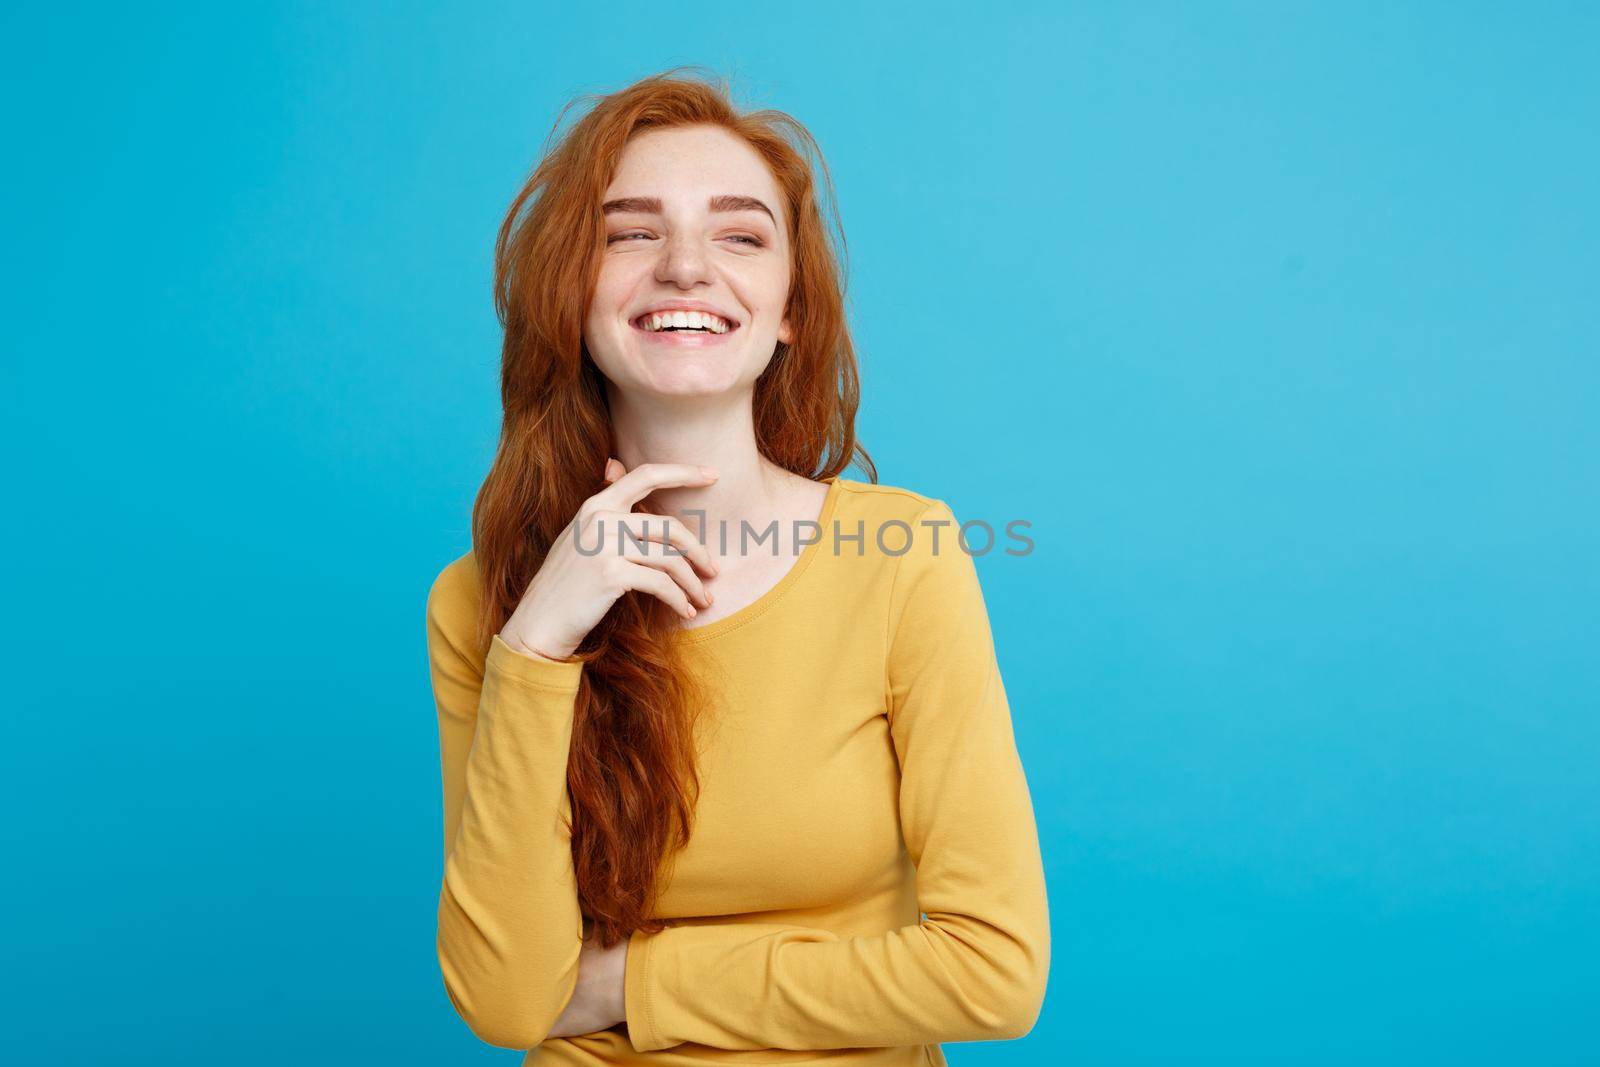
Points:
[[749, 488]]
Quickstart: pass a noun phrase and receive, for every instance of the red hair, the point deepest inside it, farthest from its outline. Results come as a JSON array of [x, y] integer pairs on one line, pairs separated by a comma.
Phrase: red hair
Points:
[[631, 771]]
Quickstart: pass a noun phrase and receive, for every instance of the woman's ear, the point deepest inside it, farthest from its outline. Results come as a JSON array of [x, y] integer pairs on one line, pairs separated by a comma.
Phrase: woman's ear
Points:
[[786, 331]]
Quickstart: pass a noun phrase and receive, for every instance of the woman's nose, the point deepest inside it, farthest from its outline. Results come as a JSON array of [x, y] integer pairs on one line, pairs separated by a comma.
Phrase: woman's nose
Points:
[[683, 261]]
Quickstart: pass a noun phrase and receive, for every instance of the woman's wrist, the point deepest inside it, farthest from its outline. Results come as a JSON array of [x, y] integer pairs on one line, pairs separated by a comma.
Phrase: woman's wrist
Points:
[[536, 647]]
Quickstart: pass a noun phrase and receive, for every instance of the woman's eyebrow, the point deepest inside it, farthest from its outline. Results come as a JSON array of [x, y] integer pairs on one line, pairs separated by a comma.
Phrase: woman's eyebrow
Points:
[[651, 205]]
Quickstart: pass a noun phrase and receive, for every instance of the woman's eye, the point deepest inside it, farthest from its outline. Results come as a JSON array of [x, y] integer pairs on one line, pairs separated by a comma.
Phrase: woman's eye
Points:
[[754, 242]]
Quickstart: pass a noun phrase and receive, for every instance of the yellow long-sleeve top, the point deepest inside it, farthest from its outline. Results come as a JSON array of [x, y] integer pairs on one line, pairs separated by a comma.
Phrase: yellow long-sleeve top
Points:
[[858, 772]]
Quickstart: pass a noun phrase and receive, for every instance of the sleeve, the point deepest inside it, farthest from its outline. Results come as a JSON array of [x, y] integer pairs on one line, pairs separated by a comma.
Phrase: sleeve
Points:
[[975, 967], [510, 927]]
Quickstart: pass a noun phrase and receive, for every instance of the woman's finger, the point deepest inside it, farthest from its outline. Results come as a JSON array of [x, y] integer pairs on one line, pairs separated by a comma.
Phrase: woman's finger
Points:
[[626, 491], [658, 584], [675, 566], [663, 529]]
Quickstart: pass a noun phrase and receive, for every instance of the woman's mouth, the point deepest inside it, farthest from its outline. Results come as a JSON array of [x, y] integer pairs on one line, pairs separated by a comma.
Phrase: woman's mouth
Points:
[[693, 329]]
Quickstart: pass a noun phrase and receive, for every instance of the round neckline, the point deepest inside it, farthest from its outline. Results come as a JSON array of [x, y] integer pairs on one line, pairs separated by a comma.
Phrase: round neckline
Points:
[[758, 606]]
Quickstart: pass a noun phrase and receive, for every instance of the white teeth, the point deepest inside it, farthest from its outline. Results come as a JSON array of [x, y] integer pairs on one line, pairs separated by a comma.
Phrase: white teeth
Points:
[[660, 320]]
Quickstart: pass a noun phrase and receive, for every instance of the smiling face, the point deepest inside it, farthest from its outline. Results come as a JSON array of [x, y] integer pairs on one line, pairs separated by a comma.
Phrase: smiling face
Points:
[[694, 220]]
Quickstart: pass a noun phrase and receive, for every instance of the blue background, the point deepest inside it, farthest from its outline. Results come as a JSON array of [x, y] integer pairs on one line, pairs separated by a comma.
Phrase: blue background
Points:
[[1278, 321]]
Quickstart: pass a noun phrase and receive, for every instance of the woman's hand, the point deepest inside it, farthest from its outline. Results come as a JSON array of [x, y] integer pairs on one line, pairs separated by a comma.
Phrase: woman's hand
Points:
[[597, 1002], [573, 590]]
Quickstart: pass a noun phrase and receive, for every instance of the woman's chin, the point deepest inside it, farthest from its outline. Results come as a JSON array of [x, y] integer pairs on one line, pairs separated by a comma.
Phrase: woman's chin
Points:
[[690, 382], [682, 390]]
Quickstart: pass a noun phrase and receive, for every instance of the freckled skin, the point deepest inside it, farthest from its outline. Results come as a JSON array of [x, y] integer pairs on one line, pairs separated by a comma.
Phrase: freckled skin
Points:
[[690, 251]]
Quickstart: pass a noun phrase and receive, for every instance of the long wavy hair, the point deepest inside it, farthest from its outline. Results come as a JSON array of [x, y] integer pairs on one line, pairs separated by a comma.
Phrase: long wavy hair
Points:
[[631, 771]]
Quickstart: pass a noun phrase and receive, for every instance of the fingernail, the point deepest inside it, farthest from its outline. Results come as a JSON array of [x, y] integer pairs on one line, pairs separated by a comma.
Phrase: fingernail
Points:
[[709, 472]]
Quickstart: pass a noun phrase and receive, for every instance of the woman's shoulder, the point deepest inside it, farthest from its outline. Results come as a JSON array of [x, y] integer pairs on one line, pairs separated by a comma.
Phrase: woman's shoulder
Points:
[[916, 519], [886, 501], [452, 607]]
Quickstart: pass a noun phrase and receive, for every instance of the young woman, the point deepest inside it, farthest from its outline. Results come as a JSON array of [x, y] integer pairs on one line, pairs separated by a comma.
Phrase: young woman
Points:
[[729, 771]]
